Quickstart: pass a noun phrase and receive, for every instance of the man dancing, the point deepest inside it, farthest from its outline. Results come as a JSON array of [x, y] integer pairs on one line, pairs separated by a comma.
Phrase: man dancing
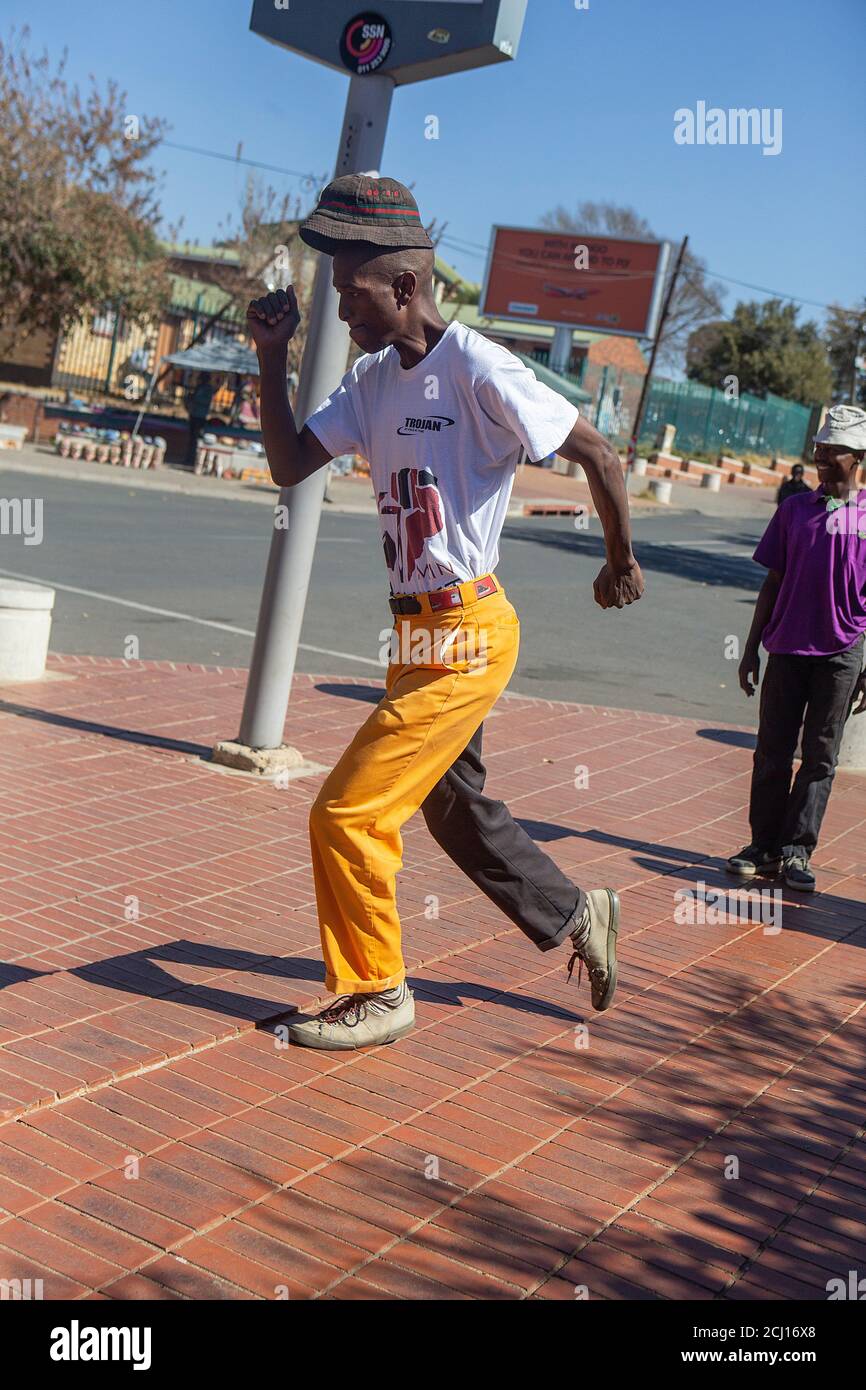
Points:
[[441, 414]]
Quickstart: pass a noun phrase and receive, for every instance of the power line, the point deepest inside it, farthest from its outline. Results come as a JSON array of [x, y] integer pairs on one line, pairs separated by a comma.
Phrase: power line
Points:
[[461, 244], [313, 179]]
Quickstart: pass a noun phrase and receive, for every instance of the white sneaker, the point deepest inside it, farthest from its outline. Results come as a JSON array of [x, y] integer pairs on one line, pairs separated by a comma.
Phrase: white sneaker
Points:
[[356, 1020], [594, 945]]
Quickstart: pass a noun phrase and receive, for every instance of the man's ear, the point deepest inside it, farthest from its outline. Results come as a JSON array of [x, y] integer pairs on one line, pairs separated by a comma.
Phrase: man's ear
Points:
[[404, 288]]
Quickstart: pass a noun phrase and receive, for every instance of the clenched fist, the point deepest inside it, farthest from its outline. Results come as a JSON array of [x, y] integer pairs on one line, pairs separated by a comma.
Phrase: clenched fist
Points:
[[615, 586], [273, 319]]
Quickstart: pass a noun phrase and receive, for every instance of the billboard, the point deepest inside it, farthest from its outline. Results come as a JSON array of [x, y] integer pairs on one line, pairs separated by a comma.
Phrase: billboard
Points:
[[406, 40], [572, 279]]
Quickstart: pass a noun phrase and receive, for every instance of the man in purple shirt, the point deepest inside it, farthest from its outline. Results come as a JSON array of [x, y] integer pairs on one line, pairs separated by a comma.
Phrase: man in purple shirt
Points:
[[811, 618]]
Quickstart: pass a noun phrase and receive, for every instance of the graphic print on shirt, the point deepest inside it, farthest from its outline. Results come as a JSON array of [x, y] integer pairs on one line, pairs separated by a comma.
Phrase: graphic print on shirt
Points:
[[411, 513]]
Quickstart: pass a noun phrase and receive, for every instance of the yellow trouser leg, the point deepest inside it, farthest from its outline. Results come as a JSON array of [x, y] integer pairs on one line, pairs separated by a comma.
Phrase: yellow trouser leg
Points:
[[426, 718]]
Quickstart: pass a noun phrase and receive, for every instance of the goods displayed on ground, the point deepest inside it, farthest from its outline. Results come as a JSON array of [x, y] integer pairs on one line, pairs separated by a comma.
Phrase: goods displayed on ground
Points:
[[225, 457], [109, 446]]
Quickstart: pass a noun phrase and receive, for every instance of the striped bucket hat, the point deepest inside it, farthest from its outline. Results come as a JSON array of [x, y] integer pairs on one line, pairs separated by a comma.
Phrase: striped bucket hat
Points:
[[357, 207]]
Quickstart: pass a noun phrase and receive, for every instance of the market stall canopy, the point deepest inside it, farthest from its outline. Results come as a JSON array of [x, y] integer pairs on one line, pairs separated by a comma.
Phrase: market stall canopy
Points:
[[232, 358]]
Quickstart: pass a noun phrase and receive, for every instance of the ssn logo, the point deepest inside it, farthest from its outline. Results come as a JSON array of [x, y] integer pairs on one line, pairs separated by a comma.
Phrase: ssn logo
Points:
[[366, 42]]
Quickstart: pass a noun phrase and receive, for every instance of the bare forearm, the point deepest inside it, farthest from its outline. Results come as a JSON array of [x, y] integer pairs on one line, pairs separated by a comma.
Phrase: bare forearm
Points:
[[279, 431], [607, 488], [587, 447], [764, 606]]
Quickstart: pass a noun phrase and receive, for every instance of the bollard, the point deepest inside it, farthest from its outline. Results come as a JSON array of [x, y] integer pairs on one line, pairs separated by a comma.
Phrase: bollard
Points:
[[25, 623], [712, 482], [852, 753], [660, 490], [639, 468]]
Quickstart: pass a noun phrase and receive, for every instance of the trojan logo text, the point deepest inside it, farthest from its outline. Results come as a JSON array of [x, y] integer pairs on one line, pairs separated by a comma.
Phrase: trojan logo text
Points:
[[418, 424]]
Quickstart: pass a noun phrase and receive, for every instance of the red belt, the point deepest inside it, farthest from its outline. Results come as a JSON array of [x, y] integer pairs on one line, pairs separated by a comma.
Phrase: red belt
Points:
[[454, 596]]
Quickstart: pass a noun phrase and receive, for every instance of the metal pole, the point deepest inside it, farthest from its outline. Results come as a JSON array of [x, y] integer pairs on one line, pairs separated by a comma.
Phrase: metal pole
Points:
[[290, 561], [145, 402], [560, 349], [635, 434]]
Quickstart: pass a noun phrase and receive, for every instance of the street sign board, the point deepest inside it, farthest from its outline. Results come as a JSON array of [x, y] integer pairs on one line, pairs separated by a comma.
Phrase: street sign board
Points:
[[406, 40], [574, 279]]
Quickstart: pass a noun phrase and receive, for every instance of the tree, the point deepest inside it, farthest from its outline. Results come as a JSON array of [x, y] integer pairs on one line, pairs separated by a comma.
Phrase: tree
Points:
[[464, 292], [78, 200], [266, 253], [764, 347], [845, 336], [696, 299]]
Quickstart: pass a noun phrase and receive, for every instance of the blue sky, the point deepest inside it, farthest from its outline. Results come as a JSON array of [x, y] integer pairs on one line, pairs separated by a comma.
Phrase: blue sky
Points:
[[585, 112]]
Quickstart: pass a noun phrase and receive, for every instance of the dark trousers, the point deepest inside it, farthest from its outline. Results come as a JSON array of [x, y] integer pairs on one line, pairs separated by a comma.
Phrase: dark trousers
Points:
[[196, 427], [482, 838], [815, 693]]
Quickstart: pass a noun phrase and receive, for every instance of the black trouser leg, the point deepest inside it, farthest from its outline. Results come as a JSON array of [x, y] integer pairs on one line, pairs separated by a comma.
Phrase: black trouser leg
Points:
[[784, 691], [831, 689], [196, 427], [482, 838]]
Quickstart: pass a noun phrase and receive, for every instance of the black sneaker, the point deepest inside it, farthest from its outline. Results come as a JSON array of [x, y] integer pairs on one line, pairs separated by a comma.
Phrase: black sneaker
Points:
[[752, 860], [798, 875]]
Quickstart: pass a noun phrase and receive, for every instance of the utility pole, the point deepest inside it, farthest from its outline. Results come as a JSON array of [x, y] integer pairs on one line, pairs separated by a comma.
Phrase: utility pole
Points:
[[290, 561], [638, 418]]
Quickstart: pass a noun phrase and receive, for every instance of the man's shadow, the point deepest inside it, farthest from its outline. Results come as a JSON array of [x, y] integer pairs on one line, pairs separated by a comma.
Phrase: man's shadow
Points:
[[143, 973]]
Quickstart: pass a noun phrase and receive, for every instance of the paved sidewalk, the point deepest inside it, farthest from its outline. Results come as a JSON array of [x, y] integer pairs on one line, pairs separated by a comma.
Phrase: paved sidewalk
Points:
[[703, 1139], [354, 495]]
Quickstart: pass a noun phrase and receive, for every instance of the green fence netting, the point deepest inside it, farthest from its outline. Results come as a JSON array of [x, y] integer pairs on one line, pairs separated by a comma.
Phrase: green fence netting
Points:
[[706, 421]]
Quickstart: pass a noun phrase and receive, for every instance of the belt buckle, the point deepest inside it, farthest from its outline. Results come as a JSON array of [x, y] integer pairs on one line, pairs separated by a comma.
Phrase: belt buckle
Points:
[[407, 604], [445, 598]]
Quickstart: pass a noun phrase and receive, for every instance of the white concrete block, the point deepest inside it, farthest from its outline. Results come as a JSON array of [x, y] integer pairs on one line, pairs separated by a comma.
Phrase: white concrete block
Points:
[[25, 625]]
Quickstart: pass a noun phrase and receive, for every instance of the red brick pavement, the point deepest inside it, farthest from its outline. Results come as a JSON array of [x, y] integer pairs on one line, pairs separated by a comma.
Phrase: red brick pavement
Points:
[[703, 1139]]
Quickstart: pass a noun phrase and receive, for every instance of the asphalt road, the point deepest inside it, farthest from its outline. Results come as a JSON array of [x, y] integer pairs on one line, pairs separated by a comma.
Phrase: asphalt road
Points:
[[118, 556]]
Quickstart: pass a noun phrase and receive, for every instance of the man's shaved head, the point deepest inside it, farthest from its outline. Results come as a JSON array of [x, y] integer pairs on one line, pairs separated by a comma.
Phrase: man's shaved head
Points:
[[386, 293], [382, 263]]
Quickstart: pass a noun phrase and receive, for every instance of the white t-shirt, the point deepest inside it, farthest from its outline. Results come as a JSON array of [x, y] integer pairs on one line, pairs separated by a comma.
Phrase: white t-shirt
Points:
[[443, 439]]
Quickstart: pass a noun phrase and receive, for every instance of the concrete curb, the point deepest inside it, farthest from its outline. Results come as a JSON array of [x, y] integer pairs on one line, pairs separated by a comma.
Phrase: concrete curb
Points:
[[173, 479], [345, 500]]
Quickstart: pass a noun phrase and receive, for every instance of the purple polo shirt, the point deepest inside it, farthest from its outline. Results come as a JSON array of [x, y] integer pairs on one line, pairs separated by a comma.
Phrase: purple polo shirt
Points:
[[821, 605]]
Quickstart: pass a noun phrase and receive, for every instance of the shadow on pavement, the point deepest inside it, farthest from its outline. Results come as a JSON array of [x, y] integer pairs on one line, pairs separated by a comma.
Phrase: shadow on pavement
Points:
[[87, 726], [683, 562], [371, 694], [736, 738], [142, 973]]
